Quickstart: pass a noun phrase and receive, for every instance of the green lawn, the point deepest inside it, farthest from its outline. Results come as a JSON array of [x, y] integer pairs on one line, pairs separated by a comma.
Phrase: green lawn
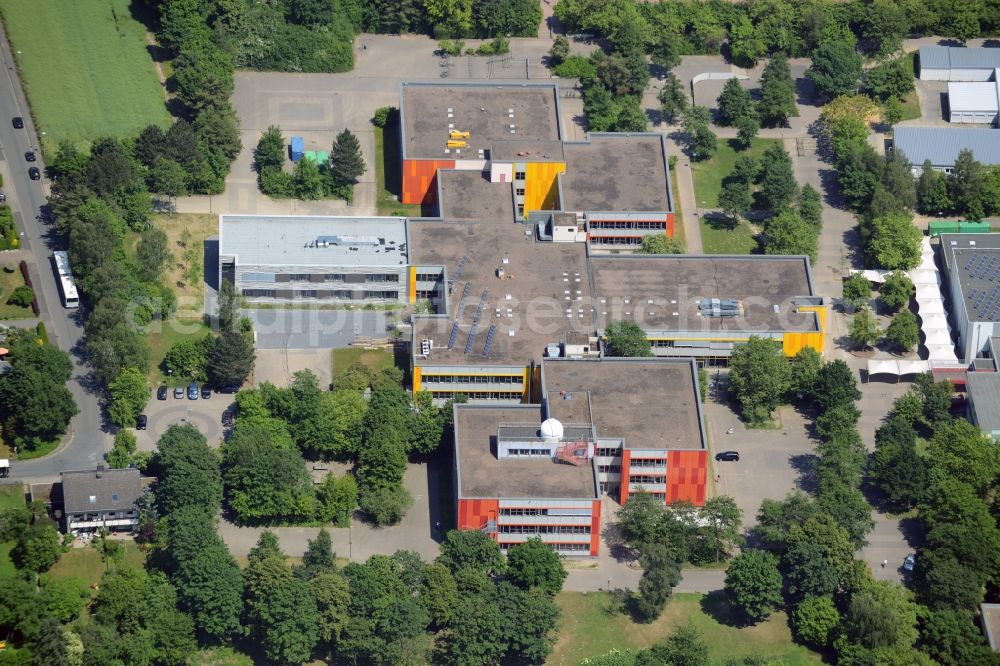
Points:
[[11, 496], [388, 173], [587, 630], [719, 237], [87, 565], [376, 359], [678, 212], [911, 103], [86, 68], [8, 283], [168, 334], [708, 174]]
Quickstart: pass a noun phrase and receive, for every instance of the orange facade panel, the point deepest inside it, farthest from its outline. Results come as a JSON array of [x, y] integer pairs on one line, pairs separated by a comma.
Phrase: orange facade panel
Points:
[[473, 514], [687, 475], [671, 222], [420, 180], [595, 528], [626, 465]]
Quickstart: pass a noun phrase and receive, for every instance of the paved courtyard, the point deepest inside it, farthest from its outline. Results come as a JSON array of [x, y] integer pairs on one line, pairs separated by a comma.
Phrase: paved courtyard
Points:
[[278, 365], [206, 415], [315, 329]]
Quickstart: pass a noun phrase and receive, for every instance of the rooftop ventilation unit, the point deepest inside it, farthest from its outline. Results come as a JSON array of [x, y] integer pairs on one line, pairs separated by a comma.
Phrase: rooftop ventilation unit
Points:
[[370, 241]]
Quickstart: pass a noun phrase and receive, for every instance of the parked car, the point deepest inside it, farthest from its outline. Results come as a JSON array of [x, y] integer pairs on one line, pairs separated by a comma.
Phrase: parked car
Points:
[[29, 156], [227, 418], [18, 122], [161, 393], [206, 392], [140, 423], [34, 173], [232, 388], [728, 456], [179, 392], [3, 197], [909, 562], [192, 391]]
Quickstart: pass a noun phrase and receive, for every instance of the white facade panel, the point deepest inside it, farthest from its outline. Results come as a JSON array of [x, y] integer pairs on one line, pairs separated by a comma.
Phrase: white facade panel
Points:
[[546, 538], [544, 520], [545, 504], [501, 172]]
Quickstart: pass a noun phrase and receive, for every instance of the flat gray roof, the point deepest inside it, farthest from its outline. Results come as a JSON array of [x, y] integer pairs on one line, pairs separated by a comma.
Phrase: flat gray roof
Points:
[[291, 240], [651, 289], [941, 145], [991, 625], [959, 57], [482, 474], [974, 260], [984, 390], [487, 111], [650, 403], [971, 96], [466, 195], [616, 172]]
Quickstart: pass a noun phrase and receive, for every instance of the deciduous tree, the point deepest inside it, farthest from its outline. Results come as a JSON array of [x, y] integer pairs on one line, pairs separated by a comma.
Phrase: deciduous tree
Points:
[[903, 332], [835, 69], [533, 564], [128, 395], [864, 331], [673, 99], [754, 583], [759, 377], [625, 338]]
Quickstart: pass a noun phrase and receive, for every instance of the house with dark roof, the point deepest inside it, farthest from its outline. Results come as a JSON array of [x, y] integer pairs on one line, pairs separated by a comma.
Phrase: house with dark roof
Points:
[[101, 499]]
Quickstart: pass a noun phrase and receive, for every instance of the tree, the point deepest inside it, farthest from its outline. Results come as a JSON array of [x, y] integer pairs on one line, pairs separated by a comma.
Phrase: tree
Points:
[[50, 647], [835, 69], [307, 180], [22, 296], [724, 519], [625, 338], [336, 499], [896, 468], [835, 386], [270, 151], [815, 620], [777, 181], [660, 574], [64, 598], [744, 42], [204, 77], [533, 564], [754, 583], [806, 365], [559, 51], [684, 647], [346, 162], [893, 79], [951, 639], [903, 332], [808, 571], [152, 254], [665, 52], [965, 185], [892, 111], [857, 290], [37, 548], [947, 584], [759, 377], [777, 102], [734, 102], [735, 198], [231, 360], [788, 234], [128, 395], [864, 331], [187, 471], [438, 593], [35, 408], [701, 141], [881, 616], [896, 290], [385, 505], [932, 191], [810, 206], [964, 453], [660, 244], [450, 18], [673, 99], [476, 636], [473, 549], [188, 359], [747, 128]]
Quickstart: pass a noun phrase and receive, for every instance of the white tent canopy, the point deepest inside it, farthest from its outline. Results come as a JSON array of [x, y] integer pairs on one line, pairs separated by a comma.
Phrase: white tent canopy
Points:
[[913, 367], [924, 276], [931, 321], [937, 336], [941, 353], [930, 306], [896, 368], [928, 291]]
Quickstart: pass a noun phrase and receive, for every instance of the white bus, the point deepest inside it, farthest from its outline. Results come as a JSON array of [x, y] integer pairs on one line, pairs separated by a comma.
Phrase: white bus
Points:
[[67, 288]]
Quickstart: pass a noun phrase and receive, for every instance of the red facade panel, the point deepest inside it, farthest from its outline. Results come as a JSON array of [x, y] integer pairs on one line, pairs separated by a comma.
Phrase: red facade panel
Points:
[[595, 528], [473, 514], [687, 474], [420, 180], [626, 464], [671, 221]]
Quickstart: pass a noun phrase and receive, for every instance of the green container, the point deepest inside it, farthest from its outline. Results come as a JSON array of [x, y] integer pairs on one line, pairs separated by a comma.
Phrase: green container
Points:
[[318, 156], [940, 227], [968, 227]]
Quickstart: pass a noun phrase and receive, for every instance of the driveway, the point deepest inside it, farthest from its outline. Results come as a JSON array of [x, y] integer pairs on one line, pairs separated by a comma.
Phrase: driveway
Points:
[[278, 365], [206, 415], [312, 329]]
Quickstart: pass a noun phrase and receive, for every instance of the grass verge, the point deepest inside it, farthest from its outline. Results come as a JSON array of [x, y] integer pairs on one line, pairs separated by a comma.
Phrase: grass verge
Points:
[[721, 237], [679, 232], [376, 359], [43, 450], [708, 174], [388, 171], [86, 69], [587, 629], [8, 283]]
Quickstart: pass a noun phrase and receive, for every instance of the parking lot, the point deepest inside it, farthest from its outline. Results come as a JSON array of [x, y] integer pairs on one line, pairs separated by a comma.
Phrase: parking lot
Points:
[[206, 415]]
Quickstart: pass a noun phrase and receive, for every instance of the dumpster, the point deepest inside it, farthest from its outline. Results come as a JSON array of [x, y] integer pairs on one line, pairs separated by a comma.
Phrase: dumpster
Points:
[[298, 148]]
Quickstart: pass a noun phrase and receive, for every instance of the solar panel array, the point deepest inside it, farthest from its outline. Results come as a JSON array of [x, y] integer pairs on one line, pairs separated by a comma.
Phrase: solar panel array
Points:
[[475, 321], [489, 339], [984, 301]]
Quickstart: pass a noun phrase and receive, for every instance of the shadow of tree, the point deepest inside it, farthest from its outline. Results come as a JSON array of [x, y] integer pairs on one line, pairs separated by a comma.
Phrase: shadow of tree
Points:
[[804, 465], [718, 605]]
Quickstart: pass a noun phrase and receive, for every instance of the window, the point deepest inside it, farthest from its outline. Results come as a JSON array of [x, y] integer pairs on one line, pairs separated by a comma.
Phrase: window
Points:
[[520, 175], [524, 512], [515, 453], [334, 277], [93, 499], [643, 478], [114, 497], [428, 277], [381, 277], [307, 293], [571, 546], [258, 293], [608, 451], [647, 462], [520, 211], [609, 469], [544, 529], [519, 191], [298, 276]]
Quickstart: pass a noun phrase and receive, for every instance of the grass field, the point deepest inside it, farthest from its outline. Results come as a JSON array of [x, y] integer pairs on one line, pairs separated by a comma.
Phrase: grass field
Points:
[[911, 103], [376, 359], [87, 565], [718, 237], [10, 496], [8, 283], [85, 67], [588, 630], [708, 174], [388, 170], [186, 234]]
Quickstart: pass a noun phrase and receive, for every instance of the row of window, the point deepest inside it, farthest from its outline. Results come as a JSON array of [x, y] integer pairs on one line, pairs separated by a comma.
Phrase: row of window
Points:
[[576, 547], [368, 294], [478, 395], [647, 462], [616, 240], [428, 277], [645, 478], [528, 453], [524, 512], [473, 379], [609, 488], [608, 451], [544, 529], [336, 277], [609, 469], [626, 224], [520, 175]]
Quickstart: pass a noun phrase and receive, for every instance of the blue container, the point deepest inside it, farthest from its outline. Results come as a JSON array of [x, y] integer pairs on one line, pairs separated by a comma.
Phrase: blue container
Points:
[[298, 148]]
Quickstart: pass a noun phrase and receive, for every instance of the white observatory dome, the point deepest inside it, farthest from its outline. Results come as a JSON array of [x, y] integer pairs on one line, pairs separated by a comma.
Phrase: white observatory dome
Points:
[[552, 429]]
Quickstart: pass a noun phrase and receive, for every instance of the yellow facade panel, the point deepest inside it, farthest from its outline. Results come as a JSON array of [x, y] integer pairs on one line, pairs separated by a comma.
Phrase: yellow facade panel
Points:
[[540, 191], [413, 284]]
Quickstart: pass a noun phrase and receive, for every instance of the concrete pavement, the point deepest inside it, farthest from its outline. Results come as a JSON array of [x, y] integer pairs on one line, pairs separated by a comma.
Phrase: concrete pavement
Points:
[[85, 443]]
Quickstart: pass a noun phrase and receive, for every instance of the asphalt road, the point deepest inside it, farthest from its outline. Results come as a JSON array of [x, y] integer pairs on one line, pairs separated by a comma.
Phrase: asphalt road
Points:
[[85, 443]]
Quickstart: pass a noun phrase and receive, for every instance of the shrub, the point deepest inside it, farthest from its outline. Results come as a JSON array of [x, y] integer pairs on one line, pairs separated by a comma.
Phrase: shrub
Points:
[[575, 67], [383, 115], [449, 47], [22, 296], [43, 335]]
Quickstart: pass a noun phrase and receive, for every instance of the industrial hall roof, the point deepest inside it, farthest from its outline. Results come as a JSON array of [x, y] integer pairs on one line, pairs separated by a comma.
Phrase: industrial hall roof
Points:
[[941, 145]]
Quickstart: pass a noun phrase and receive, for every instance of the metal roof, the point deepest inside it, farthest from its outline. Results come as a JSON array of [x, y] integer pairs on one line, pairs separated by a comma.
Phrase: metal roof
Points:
[[957, 57], [970, 96], [274, 240], [941, 145], [935, 57], [101, 490], [984, 391]]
